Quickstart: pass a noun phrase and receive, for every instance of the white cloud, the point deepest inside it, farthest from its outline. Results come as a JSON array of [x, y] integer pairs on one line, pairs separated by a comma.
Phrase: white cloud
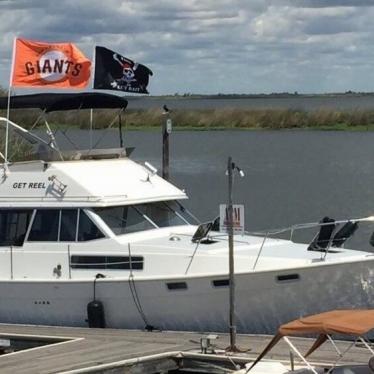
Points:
[[212, 45]]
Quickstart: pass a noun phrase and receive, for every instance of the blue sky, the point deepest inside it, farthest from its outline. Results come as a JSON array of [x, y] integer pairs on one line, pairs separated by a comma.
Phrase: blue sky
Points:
[[212, 46]]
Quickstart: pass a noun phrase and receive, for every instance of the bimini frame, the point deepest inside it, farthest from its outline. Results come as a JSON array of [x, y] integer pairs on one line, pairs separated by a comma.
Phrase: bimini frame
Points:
[[351, 323], [61, 102]]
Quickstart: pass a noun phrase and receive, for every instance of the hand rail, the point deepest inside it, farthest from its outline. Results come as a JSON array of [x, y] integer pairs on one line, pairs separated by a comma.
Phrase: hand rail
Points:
[[308, 225], [301, 226]]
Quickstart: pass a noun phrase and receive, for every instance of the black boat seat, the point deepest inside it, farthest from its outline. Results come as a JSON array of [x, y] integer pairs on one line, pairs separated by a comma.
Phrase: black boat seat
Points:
[[322, 240], [344, 234]]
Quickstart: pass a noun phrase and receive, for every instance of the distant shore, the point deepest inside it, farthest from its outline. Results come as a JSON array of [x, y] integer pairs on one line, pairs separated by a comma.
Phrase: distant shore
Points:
[[349, 111], [213, 119], [263, 95], [262, 119]]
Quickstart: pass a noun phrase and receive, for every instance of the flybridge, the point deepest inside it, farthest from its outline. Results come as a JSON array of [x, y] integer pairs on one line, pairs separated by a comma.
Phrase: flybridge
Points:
[[74, 182], [104, 182], [48, 149]]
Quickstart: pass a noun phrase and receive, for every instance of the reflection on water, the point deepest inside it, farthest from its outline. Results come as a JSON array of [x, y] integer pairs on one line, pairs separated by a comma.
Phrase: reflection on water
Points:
[[291, 176]]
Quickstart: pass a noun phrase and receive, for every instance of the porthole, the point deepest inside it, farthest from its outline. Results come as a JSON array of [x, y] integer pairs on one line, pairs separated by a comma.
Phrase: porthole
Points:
[[176, 286], [221, 283], [288, 277]]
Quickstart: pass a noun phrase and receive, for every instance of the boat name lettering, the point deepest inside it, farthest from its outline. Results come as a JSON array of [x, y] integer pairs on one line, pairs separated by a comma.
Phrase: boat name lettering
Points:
[[34, 185]]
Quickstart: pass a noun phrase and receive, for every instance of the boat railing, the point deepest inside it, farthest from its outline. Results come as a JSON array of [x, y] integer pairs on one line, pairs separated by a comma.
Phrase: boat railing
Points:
[[327, 243]]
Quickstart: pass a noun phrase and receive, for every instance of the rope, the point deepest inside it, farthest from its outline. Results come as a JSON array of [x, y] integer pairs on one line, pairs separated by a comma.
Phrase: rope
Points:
[[136, 298], [106, 130], [192, 257], [137, 303], [63, 132]]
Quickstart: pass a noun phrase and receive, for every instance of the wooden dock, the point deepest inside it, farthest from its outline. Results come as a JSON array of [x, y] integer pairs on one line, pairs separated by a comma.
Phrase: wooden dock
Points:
[[83, 350]]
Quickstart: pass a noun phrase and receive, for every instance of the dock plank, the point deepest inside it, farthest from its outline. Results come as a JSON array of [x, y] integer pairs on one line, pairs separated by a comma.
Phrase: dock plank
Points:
[[105, 346]]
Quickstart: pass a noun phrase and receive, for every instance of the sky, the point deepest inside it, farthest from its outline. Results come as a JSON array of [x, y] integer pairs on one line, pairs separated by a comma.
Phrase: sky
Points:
[[212, 46]]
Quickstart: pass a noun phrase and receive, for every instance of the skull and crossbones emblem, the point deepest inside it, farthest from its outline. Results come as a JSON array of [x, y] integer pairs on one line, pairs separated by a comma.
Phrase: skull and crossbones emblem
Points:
[[128, 74]]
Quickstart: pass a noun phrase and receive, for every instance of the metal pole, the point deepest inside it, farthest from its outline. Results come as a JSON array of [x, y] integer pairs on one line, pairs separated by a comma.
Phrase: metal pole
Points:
[[69, 261], [91, 127], [8, 106], [232, 325], [11, 262], [292, 361], [288, 341], [165, 148], [7, 128]]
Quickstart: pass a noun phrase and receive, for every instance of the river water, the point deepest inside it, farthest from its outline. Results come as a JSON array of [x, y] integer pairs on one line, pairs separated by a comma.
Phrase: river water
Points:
[[290, 176]]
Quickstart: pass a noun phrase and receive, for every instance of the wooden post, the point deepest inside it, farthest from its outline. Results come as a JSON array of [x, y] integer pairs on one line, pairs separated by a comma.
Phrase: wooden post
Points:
[[166, 129]]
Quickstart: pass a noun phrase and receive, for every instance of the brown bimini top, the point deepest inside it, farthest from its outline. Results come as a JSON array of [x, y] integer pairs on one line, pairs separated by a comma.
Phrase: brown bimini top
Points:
[[347, 322], [354, 322]]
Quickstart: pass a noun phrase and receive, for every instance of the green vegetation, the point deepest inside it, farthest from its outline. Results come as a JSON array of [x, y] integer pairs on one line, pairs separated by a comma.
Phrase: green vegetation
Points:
[[19, 149], [212, 119]]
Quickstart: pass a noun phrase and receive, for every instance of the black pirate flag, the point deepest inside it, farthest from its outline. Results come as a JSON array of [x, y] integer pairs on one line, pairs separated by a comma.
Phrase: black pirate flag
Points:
[[115, 72]]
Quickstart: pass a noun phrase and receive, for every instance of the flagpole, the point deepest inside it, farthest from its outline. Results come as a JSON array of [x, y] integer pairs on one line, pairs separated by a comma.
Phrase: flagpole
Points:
[[93, 66], [7, 126], [8, 105], [92, 87]]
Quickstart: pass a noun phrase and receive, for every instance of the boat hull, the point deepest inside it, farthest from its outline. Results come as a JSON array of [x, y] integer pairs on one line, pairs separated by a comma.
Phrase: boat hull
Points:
[[264, 299]]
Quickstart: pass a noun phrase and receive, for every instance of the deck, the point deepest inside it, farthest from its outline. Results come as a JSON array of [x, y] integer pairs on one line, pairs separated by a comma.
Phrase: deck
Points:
[[109, 350]]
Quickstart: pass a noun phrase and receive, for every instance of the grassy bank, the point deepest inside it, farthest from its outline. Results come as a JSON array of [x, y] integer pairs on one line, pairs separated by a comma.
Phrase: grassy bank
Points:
[[213, 119], [256, 119]]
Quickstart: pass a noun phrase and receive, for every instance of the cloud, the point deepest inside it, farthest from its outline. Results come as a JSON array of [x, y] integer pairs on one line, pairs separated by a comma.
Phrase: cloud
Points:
[[332, 3], [210, 46]]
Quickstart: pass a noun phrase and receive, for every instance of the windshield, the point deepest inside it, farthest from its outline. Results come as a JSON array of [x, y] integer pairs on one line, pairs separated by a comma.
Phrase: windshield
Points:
[[133, 218]]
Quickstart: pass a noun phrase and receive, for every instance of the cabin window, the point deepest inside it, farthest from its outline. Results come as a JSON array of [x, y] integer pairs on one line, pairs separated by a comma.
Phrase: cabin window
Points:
[[45, 226], [124, 219], [87, 229], [13, 226], [53, 225], [68, 225], [128, 219], [107, 262], [162, 214]]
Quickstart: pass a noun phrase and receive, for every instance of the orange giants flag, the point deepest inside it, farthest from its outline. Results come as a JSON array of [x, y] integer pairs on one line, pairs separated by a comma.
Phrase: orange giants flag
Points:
[[39, 64]]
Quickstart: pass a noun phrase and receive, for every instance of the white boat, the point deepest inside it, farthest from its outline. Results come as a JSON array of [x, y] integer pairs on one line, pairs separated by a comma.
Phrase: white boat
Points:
[[99, 226]]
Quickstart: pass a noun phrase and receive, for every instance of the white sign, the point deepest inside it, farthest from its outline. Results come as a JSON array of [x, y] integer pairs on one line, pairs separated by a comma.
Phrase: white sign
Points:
[[169, 125], [4, 343], [237, 218]]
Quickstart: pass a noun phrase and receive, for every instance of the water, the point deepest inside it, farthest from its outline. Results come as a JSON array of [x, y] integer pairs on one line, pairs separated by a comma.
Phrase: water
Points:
[[297, 102], [290, 176]]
